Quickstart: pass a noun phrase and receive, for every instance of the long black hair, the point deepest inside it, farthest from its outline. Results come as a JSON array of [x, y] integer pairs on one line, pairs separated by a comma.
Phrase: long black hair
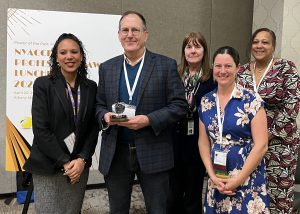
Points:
[[54, 67]]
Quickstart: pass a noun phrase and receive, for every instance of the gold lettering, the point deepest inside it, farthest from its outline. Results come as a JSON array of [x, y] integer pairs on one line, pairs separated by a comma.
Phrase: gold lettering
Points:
[[33, 73], [32, 52], [23, 84], [93, 64], [30, 62]]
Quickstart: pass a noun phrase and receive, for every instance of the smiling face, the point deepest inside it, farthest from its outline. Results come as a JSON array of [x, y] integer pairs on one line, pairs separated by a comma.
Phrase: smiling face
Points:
[[132, 35], [262, 48], [68, 56], [194, 52], [224, 70]]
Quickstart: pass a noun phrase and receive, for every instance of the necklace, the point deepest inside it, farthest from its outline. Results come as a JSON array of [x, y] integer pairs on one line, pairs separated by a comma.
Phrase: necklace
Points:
[[257, 80], [264, 68], [260, 70]]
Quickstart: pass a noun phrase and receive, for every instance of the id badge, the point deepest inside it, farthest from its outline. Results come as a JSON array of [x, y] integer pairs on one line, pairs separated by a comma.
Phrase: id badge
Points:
[[129, 110], [190, 127], [220, 160], [70, 142]]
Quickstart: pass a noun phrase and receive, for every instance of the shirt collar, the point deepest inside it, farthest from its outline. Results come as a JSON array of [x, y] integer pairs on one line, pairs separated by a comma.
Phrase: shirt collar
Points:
[[238, 91], [136, 62]]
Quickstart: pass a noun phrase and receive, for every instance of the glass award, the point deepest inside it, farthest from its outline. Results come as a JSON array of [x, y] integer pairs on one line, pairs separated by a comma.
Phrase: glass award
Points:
[[119, 109]]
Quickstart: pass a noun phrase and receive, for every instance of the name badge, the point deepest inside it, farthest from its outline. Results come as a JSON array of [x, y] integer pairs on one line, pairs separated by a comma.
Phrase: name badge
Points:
[[70, 142], [129, 110], [190, 127], [220, 160]]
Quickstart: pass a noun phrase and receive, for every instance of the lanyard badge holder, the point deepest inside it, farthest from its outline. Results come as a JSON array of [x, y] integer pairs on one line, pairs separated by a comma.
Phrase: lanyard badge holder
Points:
[[70, 140], [190, 124], [192, 107], [123, 110], [220, 157]]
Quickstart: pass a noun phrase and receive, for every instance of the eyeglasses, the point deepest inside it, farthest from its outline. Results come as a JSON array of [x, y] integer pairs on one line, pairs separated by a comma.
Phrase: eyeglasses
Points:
[[134, 31]]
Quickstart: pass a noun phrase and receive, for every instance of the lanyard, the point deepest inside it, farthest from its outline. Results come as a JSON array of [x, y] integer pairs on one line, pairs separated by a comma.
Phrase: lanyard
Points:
[[190, 96], [131, 90], [73, 102], [220, 118], [264, 74], [198, 83]]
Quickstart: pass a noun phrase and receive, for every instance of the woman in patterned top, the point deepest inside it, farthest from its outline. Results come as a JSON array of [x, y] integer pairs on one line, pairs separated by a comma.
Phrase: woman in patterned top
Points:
[[233, 140], [277, 82]]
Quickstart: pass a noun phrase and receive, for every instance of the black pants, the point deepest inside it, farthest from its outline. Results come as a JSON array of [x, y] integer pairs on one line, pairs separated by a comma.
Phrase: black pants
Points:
[[186, 184], [119, 181]]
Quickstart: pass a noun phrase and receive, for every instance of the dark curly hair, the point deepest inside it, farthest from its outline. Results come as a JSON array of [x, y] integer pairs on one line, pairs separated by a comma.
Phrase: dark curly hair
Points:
[[54, 67]]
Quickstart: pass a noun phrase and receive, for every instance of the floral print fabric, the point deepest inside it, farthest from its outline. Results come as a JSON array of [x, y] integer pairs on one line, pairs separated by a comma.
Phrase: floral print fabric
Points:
[[280, 89], [252, 196]]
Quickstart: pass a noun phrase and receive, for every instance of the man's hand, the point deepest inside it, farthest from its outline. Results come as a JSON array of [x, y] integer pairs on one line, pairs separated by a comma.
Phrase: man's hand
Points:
[[136, 122], [107, 118]]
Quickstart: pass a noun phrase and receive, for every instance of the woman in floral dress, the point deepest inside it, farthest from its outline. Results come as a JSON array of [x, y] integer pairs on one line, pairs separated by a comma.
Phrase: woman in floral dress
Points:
[[277, 81], [232, 142]]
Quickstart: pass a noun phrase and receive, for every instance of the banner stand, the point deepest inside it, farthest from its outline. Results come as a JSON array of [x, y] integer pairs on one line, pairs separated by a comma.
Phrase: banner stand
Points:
[[28, 197]]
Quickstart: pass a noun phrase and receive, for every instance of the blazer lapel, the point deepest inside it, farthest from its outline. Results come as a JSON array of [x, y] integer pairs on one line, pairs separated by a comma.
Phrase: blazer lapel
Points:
[[84, 99], [146, 74], [60, 91], [115, 75]]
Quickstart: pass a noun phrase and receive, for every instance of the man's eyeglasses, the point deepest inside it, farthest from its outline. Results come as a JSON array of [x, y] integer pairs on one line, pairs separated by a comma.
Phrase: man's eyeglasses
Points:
[[134, 31]]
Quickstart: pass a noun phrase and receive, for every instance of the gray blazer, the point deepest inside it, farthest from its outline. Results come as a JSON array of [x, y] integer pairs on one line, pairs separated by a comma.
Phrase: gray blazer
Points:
[[160, 97]]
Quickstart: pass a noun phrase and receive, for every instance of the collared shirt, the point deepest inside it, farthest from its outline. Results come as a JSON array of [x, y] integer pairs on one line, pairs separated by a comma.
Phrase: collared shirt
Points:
[[136, 62]]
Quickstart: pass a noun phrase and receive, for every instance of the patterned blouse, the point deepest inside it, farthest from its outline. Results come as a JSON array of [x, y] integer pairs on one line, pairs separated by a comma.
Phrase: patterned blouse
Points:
[[280, 89]]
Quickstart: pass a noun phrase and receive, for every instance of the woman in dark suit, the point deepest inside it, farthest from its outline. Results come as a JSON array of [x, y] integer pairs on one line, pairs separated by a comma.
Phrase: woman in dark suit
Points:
[[64, 128], [187, 177]]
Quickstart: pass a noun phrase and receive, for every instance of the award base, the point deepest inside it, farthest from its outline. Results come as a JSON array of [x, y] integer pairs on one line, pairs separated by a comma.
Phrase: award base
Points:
[[119, 118], [221, 174]]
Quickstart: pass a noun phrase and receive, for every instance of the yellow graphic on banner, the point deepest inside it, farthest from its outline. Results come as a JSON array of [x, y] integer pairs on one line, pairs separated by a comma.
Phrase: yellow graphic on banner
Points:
[[17, 150], [26, 123]]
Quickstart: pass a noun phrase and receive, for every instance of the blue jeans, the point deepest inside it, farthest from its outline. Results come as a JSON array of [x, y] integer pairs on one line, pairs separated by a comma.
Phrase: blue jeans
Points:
[[119, 181]]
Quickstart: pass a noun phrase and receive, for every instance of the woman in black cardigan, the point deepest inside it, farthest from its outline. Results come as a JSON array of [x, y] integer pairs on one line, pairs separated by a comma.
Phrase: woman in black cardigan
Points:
[[65, 130], [187, 176]]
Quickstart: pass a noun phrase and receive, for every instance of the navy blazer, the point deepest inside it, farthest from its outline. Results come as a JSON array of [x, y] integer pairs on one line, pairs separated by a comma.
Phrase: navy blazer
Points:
[[160, 97], [53, 121]]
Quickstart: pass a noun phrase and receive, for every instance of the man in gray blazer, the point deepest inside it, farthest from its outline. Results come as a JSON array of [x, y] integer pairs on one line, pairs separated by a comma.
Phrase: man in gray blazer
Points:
[[149, 87]]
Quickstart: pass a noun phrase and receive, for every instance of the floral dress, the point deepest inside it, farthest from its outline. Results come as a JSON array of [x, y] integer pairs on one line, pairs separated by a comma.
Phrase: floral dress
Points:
[[280, 90], [251, 197]]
